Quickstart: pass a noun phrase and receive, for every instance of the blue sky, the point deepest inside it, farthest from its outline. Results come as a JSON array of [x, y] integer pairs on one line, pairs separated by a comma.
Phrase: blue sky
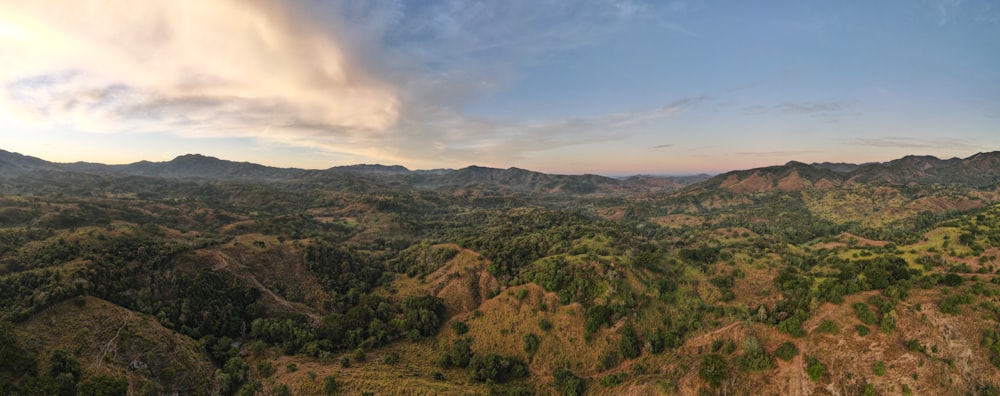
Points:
[[599, 86]]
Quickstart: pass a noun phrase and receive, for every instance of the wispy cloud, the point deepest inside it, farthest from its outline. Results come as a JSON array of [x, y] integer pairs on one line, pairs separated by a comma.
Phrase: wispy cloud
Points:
[[662, 146], [444, 134], [798, 108], [777, 154], [913, 142], [810, 107]]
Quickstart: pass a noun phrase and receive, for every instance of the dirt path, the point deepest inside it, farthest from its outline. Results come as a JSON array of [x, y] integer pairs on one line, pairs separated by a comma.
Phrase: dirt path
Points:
[[222, 262]]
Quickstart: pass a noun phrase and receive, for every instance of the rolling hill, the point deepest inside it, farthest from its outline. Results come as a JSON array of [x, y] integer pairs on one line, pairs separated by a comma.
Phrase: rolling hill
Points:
[[205, 276]]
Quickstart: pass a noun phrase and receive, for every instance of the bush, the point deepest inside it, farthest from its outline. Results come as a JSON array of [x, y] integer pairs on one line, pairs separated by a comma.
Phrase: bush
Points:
[[792, 326], [544, 324], [829, 327], [991, 340], [496, 368], [610, 380], [952, 280], [104, 386], [330, 385], [459, 327], [628, 345], [713, 369], [754, 357], [951, 304], [787, 351], [63, 362], [459, 355], [567, 383], [531, 343], [865, 314], [862, 330], [815, 369], [879, 368]]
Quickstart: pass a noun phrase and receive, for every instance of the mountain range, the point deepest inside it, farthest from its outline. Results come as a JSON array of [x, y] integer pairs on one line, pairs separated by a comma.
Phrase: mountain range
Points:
[[981, 170]]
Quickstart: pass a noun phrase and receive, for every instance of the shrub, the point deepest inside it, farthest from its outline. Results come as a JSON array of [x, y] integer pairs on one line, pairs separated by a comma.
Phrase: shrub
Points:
[[713, 369], [815, 369], [459, 327], [496, 368], [531, 343], [952, 280], [862, 330], [104, 386], [459, 355], [567, 383], [879, 368], [610, 380], [628, 345], [829, 327], [330, 385], [544, 324], [914, 345], [991, 340], [865, 314], [786, 351], [792, 326], [754, 357]]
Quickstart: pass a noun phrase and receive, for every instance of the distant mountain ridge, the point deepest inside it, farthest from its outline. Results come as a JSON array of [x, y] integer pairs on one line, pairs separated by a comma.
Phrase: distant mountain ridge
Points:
[[981, 170], [362, 176]]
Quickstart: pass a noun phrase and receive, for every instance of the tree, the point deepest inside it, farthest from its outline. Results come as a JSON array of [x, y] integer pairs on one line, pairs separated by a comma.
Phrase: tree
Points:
[[496, 368], [531, 343], [628, 345], [104, 386], [330, 385], [63, 362], [567, 383], [786, 351], [713, 369], [424, 313], [815, 369]]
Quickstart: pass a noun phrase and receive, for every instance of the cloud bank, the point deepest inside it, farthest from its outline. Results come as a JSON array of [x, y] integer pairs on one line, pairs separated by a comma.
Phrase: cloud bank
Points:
[[372, 80], [221, 67]]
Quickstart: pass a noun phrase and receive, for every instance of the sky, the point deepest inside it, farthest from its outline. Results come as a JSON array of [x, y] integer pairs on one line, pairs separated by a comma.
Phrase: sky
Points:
[[612, 87]]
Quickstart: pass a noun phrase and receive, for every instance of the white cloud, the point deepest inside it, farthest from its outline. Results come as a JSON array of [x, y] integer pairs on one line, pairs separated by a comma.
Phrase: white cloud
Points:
[[104, 66], [381, 81]]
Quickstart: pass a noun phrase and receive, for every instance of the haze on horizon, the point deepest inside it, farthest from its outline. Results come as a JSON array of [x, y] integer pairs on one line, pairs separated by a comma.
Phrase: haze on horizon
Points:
[[595, 86]]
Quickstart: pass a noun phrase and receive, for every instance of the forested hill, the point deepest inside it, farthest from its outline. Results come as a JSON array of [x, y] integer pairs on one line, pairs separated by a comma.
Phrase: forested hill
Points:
[[205, 276]]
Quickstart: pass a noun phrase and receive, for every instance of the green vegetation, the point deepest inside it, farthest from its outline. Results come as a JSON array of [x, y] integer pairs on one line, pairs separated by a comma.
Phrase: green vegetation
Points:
[[815, 368], [713, 369], [496, 368], [991, 340], [352, 274], [786, 351], [567, 383], [754, 358], [879, 368], [829, 327]]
